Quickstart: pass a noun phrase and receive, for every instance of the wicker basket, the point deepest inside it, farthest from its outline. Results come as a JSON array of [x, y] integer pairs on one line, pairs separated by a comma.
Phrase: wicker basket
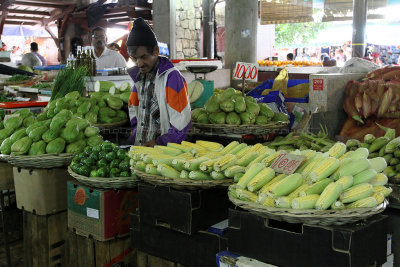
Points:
[[182, 183], [318, 217], [105, 183], [110, 125], [45, 161], [33, 80], [241, 129]]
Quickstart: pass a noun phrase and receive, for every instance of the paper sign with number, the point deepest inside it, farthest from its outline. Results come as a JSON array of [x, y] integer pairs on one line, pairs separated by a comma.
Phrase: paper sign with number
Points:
[[287, 163], [248, 69]]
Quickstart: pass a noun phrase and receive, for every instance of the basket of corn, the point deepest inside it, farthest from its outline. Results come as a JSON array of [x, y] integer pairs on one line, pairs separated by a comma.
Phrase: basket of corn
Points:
[[231, 113], [187, 165], [332, 188]]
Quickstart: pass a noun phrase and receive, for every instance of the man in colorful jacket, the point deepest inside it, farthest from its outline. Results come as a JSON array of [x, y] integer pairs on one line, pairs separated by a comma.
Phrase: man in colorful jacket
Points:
[[159, 104]]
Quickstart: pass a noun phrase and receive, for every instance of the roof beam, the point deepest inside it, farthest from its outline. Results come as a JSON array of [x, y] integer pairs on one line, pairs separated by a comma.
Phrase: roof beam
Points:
[[24, 18], [60, 3], [59, 15], [19, 22], [24, 3], [28, 12], [4, 14]]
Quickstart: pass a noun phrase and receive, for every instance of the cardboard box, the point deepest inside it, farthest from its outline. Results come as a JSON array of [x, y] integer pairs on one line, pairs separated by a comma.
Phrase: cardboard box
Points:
[[6, 176], [198, 249], [327, 90], [186, 211], [41, 191], [102, 214], [286, 244]]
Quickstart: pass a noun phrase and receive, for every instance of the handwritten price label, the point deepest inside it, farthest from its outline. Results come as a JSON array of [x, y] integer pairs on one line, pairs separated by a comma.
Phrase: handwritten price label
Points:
[[249, 70], [287, 163], [318, 84]]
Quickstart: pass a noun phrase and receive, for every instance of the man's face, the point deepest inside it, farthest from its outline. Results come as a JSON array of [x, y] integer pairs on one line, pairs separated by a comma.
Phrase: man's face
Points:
[[143, 59], [99, 39]]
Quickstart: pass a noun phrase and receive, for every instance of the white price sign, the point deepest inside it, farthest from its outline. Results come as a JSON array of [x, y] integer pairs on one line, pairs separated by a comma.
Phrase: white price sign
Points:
[[287, 163], [249, 71]]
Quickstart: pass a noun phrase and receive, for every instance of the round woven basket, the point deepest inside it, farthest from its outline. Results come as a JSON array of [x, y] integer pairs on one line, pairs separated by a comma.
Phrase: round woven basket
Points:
[[33, 79], [241, 129], [105, 183], [182, 183], [45, 161], [317, 217], [110, 125]]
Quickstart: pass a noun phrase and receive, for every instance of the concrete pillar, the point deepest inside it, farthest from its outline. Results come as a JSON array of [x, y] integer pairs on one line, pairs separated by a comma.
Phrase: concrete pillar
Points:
[[240, 31], [164, 23], [359, 24], [207, 30]]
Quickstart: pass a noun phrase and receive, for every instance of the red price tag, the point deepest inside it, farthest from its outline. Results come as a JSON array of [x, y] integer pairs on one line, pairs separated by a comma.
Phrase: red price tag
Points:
[[318, 84], [249, 71], [287, 163]]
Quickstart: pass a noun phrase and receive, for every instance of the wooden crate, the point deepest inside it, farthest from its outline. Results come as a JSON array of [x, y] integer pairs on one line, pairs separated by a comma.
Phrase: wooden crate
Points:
[[83, 251], [147, 260], [44, 239]]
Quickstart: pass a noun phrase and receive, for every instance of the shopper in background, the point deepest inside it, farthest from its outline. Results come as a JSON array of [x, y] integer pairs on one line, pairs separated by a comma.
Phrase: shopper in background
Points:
[[159, 101], [33, 58], [105, 58], [289, 56]]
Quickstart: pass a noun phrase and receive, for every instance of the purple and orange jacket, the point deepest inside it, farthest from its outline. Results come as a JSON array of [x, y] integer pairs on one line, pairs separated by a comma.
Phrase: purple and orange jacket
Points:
[[173, 101]]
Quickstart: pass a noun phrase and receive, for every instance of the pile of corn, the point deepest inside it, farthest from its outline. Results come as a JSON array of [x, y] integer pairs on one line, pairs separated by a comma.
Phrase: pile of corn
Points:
[[202, 160], [331, 180], [386, 146]]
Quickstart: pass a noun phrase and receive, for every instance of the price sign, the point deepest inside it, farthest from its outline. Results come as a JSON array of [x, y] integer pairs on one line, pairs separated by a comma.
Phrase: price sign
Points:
[[249, 71], [318, 84], [287, 163]]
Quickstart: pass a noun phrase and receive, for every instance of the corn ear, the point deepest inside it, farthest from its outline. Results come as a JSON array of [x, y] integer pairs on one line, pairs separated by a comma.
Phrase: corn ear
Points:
[[346, 182], [214, 146], [151, 169], [238, 148], [380, 179], [225, 162], [261, 179], [364, 176], [169, 150], [360, 153], [379, 197], [316, 188], [199, 175], [231, 171], [330, 194], [356, 192], [184, 174], [368, 202], [354, 168], [324, 169], [141, 166], [378, 164], [337, 150], [184, 149], [178, 164], [207, 166], [268, 160], [256, 168], [237, 177], [383, 189], [283, 202], [296, 192], [245, 160], [217, 175], [346, 155], [168, 171], [305, 202], [268, 202], [337, 205], [286, 186], [229, 147], [194, 164], [246, 195]]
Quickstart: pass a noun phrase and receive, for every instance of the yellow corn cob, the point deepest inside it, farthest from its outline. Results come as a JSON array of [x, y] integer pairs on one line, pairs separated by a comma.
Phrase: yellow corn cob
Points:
[[346, 181], [229, 147], [261, 157], [210, 145], [283, 202], [184, 149], [296, 192], [265, 150], [367, 202], [256, 147], [337, 150], [346, 155], [268, 160], [354, 168], [186, 156], [208, 154], [330, 194], [237, 177], [238, 148], [379, 197], [199, 175], [268, 202], [364, 176], [378, 164], [337, 205], [184, 174], [324, 169], [169, 150], [151, 169], [246, 195], [231, 171], [168, 171], [356, 192], [193, 146], [306, 202], [312, 165], [309, 154], [253, 171], [149, 158], [379, 188], [286, 186], [217, 175], [360, 153], [141, 166], [265, 188], [380, 179], [342, 163], [225, 162], [316, 188], [178, 164], [261, 179], [194, 164], [243, 152], [207, 166], [246, 159]]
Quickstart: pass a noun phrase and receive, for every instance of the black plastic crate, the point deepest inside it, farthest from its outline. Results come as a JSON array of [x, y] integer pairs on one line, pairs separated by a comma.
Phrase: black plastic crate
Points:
[[186, 211], [198, 249], [286, 244]]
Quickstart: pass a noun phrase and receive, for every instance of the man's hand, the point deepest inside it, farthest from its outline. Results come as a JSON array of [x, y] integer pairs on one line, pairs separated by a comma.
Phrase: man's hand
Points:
[[150, 143]]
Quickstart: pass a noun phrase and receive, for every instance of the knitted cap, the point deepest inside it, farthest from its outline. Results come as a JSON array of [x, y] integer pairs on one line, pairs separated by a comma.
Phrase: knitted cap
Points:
[[141, 34]]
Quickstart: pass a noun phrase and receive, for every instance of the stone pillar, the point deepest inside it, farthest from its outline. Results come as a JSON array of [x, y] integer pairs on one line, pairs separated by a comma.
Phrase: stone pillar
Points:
[[164, 19], [207, 30], [359, 24], [240, 32]]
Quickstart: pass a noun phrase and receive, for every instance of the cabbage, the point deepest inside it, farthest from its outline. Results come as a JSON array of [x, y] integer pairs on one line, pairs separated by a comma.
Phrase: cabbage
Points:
[[233, 118], [5, 147], [253, 108], [240, 104], [227, 105], [21, 147], [212, 105], [38, 148], [50, 135], [94, 140], [56, 146], [217, 118], [70, 134], [266, 111], [76, 147], [91, 131], [261, 120], [14, 122], [247, 117]]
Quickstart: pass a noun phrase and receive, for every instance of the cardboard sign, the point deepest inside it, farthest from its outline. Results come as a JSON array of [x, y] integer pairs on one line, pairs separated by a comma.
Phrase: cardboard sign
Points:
[[248, 69], [318, 84], [287, 163]]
